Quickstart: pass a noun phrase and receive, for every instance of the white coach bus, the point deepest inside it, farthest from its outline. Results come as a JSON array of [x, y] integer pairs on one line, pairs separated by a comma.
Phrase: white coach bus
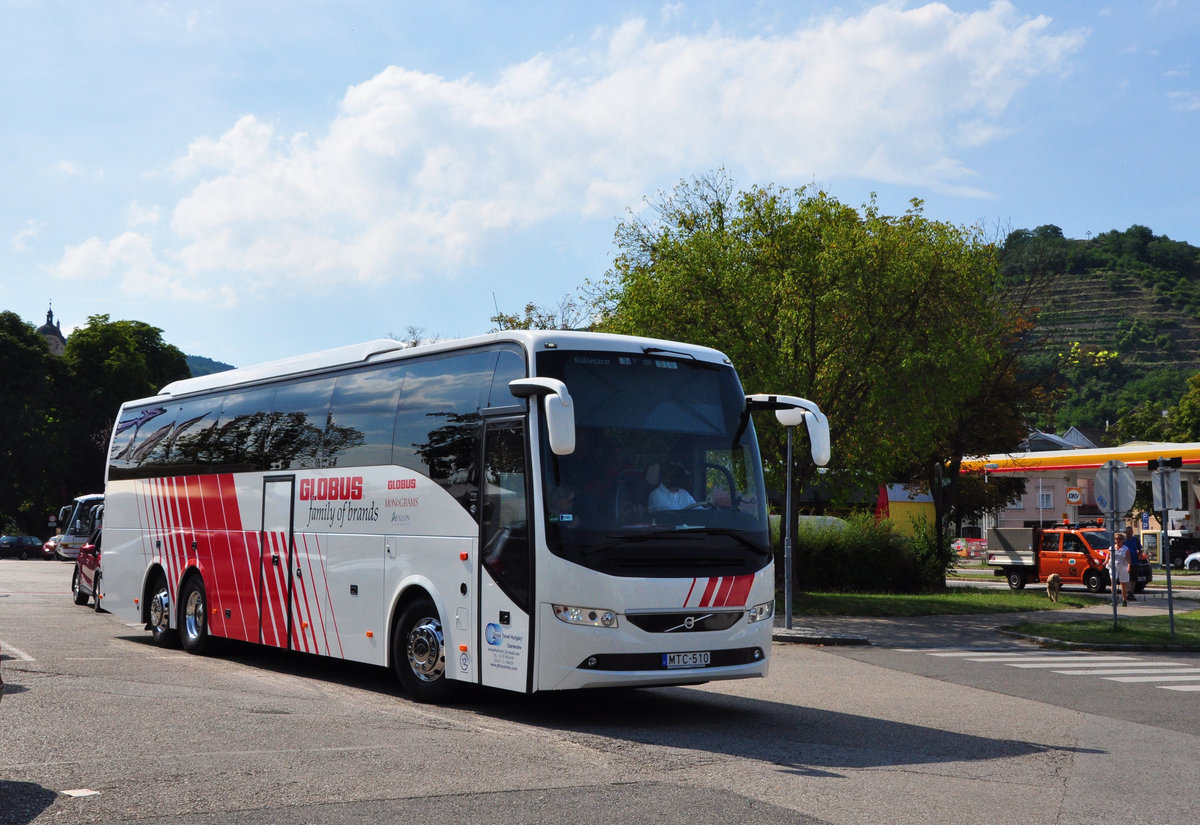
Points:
[[526, 510]]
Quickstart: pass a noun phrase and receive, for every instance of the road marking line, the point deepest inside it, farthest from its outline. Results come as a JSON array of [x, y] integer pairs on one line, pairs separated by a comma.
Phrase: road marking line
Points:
[[1191, 688], [1099, 660], [1156, 667], [16, 651], [1171, 678], [978, 651], [1034, 657]]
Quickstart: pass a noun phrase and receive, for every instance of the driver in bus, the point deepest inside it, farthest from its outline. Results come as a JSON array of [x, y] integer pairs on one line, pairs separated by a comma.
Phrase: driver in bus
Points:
[[670, 494]]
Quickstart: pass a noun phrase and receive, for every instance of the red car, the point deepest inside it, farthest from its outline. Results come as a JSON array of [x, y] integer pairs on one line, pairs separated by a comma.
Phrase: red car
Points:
[[50, 548], [85, 581]]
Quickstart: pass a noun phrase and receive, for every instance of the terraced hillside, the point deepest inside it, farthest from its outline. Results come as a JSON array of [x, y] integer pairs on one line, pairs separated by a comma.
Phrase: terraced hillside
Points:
[[1107, 310]]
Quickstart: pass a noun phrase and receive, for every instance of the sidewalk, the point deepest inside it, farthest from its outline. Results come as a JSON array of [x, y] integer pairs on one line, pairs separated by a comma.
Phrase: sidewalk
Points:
[[950, 630]]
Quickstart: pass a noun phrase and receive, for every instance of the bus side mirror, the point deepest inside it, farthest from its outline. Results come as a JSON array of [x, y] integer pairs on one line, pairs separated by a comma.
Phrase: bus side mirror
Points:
[[558, 406], [792, 412]]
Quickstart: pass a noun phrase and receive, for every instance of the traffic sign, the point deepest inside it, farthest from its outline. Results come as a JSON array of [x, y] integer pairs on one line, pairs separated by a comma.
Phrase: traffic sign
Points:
[[1115, 488], [1166, 482]]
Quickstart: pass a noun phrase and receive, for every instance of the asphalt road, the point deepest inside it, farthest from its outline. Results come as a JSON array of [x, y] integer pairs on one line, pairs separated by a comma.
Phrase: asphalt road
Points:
[[887, 733]]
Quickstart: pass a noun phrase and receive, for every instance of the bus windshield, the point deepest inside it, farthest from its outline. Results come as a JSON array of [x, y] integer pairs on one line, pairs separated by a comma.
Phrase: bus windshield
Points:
[[665, 479]]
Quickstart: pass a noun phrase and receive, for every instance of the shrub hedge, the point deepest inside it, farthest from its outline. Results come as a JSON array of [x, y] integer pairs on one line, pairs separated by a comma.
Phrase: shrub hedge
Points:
[[864, 556]]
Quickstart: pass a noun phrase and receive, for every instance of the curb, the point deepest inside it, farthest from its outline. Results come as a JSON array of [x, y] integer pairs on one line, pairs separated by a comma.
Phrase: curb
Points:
[[809, 636], [1052, 642]]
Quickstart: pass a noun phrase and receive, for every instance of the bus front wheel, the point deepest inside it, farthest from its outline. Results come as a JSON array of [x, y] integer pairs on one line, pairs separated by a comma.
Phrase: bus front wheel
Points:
[[419, 653]]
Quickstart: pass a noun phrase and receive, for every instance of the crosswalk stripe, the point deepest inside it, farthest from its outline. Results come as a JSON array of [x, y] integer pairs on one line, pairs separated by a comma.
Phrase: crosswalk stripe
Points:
[[1129, 669], [1105, 660], [1151, 667], [982, 652]]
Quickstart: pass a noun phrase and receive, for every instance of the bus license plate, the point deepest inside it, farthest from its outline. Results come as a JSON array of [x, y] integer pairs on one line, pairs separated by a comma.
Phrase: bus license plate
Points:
[[698, 658]]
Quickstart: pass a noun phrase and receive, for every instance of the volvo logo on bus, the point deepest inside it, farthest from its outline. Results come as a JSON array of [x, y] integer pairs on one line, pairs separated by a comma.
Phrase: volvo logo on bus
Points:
[[345, 488]]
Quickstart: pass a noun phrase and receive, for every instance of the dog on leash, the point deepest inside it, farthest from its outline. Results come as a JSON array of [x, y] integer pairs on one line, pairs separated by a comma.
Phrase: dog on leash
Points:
[[1053, 585]]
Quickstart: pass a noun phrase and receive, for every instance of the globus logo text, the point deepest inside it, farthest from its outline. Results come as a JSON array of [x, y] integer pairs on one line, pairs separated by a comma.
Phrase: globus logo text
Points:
[[346, 488]]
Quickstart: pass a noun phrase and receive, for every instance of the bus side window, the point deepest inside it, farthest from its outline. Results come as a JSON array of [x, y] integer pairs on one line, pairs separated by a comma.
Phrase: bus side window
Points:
[[438, 422], [510, 365], [299, 412], [238, 441], [136, 435], [362, 417], [192, 425]]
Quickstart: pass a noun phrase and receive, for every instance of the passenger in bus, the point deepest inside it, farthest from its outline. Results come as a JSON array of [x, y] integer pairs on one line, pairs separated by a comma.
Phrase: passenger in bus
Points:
[[671, 493]]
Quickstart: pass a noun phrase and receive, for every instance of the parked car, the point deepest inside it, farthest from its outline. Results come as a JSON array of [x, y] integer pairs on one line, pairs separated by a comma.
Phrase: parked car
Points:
[[85, 581], [1192, 562], [50, 548], [20, 546]]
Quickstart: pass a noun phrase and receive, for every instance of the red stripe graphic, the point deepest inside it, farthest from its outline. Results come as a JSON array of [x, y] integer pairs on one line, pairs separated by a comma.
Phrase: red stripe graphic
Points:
[[721, 591], [722, 597], [739, 594], [691, 589]]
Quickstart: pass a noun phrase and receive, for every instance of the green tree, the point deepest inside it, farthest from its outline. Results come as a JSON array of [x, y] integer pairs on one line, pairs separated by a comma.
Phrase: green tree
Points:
[[887, 322], [569, 314], [109, 362], [27, 375]]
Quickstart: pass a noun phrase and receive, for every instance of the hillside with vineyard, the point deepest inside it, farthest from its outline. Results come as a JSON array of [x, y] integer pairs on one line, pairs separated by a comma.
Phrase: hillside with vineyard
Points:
[[1122, 307]]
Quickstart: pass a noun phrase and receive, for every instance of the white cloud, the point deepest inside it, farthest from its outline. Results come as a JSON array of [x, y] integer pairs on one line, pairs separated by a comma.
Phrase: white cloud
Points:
[[417, 172], [26, 234], [1184, 101], [131, 257], [138, 215]]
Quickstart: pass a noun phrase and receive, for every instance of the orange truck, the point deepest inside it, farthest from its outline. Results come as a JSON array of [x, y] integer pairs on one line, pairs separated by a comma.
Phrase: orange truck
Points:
[[1077, 553]]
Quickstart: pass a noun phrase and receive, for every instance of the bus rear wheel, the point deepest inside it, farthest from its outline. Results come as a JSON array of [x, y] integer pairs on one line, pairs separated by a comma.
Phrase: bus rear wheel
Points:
[[419, 653], [159, 618], [193, 616]]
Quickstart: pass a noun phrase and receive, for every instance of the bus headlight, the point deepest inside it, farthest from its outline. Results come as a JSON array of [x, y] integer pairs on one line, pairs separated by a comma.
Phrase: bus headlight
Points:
[[760, 612], [593, 616]]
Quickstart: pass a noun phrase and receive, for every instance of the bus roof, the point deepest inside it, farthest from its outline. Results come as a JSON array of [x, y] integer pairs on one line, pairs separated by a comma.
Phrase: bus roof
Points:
[[386, 349]]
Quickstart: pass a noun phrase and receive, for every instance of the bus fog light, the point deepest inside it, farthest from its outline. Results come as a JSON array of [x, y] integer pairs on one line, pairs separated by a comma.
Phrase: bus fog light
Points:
[[591, 616], [761, 611]]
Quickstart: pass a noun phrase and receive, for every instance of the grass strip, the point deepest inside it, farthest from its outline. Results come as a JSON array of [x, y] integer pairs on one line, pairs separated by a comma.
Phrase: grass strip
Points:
[[1145, 631], [952, 601]]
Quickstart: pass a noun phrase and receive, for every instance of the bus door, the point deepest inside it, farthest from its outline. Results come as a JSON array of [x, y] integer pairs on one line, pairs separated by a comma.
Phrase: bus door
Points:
[[506, 572], [275, 575]]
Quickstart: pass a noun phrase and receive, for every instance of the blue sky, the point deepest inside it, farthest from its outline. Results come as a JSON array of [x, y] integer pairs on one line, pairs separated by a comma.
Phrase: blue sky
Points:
[[265, 179]]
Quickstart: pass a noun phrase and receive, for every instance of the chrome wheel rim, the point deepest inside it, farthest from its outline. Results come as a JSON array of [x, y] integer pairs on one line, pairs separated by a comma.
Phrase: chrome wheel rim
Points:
[[160, 609], [193, 615], [427, 650]]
